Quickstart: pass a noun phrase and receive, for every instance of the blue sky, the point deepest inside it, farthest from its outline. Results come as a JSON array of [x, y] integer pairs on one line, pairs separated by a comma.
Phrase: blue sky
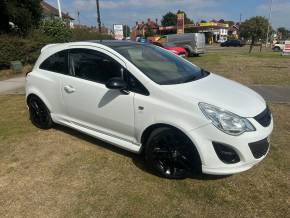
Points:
[[130, 11]]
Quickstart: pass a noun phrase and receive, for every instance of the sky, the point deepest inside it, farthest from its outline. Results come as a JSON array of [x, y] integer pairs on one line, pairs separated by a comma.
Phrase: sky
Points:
[[130, 11]]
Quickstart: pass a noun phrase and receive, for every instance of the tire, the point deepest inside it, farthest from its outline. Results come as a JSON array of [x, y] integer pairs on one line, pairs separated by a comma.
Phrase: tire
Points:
[[39, 114], [188, 53], [276, 49], [170, 154]]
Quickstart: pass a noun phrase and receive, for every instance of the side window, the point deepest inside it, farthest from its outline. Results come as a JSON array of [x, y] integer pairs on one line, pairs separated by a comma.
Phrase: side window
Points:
[[93, 65], [56, 63]]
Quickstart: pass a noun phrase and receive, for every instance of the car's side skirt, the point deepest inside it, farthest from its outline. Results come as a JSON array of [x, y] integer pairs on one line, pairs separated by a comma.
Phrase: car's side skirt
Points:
[[121, 143]]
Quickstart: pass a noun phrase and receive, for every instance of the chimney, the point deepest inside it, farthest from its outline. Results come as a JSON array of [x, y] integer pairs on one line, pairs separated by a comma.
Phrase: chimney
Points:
[[148, 20], [156, 20], [136, 23], [142, 22]]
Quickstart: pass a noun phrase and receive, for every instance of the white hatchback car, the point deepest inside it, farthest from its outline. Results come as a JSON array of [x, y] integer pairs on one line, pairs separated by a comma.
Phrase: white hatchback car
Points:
[[143, 98]]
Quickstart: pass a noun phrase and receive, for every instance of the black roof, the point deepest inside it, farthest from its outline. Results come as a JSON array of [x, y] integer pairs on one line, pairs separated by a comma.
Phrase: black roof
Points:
[[116, 43]]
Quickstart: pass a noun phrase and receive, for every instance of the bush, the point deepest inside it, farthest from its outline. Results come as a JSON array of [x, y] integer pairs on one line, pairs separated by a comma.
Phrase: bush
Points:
[[25, 50], [56, 29], [82, 34]]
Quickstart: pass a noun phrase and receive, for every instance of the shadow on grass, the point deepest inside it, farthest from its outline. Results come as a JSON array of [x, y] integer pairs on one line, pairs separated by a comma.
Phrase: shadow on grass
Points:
[[137, 159]]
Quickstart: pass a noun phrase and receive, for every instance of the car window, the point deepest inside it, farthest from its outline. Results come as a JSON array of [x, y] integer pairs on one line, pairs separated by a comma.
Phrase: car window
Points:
[[93, 65], [56, 63], [135, 86], [159, 65]]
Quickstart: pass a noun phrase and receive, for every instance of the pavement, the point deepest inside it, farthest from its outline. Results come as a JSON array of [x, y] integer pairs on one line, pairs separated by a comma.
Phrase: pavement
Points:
[[271, 93], [13, 86]]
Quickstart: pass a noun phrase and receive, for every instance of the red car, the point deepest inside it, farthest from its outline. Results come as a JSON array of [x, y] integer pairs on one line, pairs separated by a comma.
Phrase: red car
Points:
[[176, 50]]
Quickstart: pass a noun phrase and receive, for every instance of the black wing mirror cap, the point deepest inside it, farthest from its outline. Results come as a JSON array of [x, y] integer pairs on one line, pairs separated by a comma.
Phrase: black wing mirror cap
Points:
[[116, 83]]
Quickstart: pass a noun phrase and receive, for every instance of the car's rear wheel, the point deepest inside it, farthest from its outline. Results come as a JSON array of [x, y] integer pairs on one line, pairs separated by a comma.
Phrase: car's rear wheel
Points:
[[39, 113], [171, 154], [276, 49]]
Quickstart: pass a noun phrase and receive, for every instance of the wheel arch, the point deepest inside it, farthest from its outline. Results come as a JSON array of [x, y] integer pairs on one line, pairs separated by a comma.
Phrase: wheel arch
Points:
[[40, 96], [146, 133]]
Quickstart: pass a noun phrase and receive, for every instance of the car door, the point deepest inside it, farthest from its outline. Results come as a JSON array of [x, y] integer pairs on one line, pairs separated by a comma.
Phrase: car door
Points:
[[89, 103]]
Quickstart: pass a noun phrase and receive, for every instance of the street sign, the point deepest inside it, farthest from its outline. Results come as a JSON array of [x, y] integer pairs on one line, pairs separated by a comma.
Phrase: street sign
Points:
[[286, 50], [118, 31], [180, 23]]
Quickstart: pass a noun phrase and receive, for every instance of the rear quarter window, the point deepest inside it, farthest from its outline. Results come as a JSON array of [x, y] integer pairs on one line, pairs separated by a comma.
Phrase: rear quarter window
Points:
[[56, 63]]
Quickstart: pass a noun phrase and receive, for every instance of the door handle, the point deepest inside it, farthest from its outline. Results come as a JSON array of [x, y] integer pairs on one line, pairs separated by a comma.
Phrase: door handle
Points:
[[69, 89]]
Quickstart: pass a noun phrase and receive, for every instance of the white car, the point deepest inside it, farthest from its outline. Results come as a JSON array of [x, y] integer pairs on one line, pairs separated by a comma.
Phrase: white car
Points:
[[147, 100], [279, 46]]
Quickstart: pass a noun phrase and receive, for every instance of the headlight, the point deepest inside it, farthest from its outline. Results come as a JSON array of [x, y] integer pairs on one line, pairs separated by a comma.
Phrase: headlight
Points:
[[226, 121]]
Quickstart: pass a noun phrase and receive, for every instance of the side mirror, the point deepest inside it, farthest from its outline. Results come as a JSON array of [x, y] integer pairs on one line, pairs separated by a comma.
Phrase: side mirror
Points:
[[116, 83]]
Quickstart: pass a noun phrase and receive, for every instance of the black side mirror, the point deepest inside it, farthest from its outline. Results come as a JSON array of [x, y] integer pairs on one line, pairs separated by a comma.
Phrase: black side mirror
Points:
[[117, 83]]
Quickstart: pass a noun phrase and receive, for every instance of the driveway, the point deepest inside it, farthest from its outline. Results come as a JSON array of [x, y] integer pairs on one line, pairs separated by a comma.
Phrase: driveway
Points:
[[12, 86]]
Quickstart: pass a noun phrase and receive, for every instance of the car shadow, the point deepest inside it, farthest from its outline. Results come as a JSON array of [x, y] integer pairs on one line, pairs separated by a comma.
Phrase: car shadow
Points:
[[137, 159]]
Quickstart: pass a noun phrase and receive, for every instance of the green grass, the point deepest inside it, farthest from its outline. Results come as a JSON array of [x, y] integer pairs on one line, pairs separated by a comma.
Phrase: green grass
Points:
[[63, 173], [266, 67]]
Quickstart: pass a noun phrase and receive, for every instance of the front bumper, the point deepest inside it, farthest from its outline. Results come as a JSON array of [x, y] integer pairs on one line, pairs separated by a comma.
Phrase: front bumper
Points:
[[211, 164]]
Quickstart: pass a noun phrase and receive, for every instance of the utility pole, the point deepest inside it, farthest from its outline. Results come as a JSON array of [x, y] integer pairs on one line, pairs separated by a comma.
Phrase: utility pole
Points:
[[59, 9], [269, 20], [99, 16], [240, 18], [79, 21]]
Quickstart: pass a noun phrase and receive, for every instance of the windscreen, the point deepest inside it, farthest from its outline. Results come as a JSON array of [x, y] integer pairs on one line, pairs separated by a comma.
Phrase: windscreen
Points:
[[159, 65]]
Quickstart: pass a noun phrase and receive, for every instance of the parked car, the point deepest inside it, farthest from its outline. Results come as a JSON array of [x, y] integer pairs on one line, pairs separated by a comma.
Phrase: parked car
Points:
[[176, 50], [279, 46], [233, 43], [147, 100], [193, 43]]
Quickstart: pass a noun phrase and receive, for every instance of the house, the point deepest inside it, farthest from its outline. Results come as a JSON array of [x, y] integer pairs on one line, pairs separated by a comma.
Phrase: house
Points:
[[234, 31], [142, 28], [50, 12]]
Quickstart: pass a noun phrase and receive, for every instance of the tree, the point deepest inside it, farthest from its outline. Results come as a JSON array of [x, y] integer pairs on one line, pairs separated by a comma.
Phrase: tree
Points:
[[169, 19], [4, 17], [24, 14], [126, 31], [284, 33], [254, 29]]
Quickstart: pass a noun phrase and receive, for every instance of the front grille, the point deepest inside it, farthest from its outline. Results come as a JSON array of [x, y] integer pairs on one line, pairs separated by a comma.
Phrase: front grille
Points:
[[264, 118], [259, 148]]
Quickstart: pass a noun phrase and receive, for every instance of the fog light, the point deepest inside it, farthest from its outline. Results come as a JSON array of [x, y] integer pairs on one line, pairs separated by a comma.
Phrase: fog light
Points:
[[225, 153]]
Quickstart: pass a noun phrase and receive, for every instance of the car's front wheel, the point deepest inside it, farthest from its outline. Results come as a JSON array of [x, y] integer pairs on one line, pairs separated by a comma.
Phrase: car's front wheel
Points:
[[39, 113], [171, 154]]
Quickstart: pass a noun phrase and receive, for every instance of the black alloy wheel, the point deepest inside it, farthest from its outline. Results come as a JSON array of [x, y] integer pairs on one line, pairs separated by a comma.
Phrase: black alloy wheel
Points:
[[171, 154], [39, 113]]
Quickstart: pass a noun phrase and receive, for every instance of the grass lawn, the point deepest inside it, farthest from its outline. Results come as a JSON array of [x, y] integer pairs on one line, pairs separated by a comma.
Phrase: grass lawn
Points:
[[63, 173], [266, 67]]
